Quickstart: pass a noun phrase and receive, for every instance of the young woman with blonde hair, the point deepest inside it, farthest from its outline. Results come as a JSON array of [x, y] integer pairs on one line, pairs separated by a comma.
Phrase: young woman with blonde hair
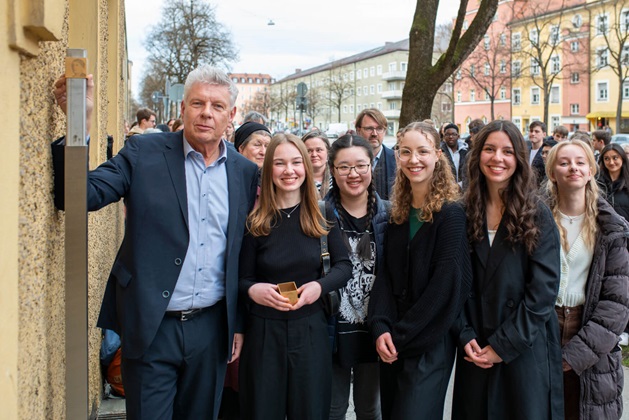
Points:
[[286, 361], [423, 283], [593, 299]]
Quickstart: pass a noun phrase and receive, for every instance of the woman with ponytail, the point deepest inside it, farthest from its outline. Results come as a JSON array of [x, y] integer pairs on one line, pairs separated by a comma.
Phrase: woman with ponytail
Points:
[[423, 283], [362, 217]]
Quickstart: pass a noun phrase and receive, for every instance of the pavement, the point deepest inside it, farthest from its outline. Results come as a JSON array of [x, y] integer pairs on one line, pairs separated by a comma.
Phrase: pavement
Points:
[[114, 409]]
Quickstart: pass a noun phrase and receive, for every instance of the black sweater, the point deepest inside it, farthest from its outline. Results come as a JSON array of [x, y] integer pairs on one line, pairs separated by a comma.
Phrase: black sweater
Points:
[[287, 254], [424, 282]]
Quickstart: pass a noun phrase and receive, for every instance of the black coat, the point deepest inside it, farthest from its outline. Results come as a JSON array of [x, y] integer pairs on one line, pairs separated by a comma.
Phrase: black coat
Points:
[[512, 308], [594, 353], [384, 173], [462, 163]]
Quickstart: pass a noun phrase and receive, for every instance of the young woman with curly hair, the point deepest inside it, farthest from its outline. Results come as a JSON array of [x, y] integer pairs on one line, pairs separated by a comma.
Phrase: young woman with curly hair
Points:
[[424, 281], [593, 300], [509, 362], [286, 361]]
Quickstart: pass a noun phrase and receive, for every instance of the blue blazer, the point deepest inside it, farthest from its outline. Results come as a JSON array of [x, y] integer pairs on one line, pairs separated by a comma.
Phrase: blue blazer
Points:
[[149, 173]]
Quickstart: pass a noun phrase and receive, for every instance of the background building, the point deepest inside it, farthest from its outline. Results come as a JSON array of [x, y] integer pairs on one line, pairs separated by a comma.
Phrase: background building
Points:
[[253, 93]]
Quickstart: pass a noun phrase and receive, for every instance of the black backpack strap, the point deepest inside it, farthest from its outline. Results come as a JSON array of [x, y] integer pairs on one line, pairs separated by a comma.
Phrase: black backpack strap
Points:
[[325, 254]]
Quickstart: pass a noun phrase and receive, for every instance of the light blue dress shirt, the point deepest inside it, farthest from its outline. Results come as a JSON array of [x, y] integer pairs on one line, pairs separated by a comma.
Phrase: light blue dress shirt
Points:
[[201, 282]]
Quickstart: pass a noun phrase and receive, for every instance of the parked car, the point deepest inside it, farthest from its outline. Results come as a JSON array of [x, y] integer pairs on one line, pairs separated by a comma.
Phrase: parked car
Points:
[[621, 139]]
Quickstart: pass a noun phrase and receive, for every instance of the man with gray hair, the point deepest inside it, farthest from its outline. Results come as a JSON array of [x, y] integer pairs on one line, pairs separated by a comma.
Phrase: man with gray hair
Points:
[[255, 117], [172, 292]]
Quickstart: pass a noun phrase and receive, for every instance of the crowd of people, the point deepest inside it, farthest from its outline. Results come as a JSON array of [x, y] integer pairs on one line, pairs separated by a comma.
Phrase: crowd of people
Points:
[[502, 259]]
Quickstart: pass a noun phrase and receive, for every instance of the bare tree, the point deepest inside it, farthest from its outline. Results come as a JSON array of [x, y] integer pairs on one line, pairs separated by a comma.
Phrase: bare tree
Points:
[[187, 36], [543, 54], [261, 102], [314, 102], [339, 89], [614, 27], [423, 78], [487, 66], [283, 100]]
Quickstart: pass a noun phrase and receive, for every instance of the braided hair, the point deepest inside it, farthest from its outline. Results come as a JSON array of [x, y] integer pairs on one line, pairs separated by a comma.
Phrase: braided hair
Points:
[[363, 248]]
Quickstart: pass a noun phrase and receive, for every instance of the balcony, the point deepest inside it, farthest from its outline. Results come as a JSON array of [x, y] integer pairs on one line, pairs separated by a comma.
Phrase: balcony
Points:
[[392, 113], [394, 75], [392, 94]]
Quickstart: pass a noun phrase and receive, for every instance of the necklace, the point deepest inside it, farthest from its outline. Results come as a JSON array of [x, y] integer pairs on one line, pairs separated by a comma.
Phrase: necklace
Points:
[[290, 212], [572, 219]]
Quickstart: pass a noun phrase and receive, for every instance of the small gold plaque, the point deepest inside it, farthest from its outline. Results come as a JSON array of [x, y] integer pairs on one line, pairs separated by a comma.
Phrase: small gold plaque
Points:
[[76, 68], [289, 290]]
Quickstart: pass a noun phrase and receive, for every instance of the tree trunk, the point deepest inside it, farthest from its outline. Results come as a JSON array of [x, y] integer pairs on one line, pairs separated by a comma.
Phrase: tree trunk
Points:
[[619, 105]]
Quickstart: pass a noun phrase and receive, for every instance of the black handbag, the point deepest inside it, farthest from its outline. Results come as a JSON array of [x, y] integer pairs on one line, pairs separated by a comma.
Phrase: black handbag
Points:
[[331, 301]]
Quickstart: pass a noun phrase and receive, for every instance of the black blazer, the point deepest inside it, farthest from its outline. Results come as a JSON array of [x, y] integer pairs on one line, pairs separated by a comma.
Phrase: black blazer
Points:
[[149, 173], [384, 173], [538, 165], [512, 308]]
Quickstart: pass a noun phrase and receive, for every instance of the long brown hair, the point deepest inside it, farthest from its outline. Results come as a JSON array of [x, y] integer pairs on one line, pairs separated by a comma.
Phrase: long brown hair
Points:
[[262, 218], [590, 226], [443, 188], [519, 197]]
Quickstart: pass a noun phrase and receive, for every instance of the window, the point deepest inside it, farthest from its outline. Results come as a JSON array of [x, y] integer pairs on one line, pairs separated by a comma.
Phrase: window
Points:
[[358, 74], [516, 41], [503, 93], [351, 91], [365, 90], [516, 96], [392, 66], [503, 40], [472, 95], [487, 68], [535, 96], [372, 71], [486, 42], [574, 109], [624, 20], [458, 74], [554, 35], [602, 24], [554, 122], [602, 57], [242, 80], [379, 69], [574, 77], [555, 64], [379, 105], [554, 95], [403, 66], [465, 25], [624, 57], [458, 96], [574, 46], [534, 36], [351, 75], [359, 92], [446, 107], [472, 70], [372, 89], [391, 85], [601, 91], [486, 95], [257, 80], [371, 105], [351, 109], [235, 79], [534, 67], [517, 121], [516, 68], [379, 88], [392, 105], [344, 109], [249, 80], [625, 90], [447, 87], [365, 72], [577, 21]]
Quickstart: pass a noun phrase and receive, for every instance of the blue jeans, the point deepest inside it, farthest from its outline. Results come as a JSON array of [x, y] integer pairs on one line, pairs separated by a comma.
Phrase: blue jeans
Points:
[[366, 391]]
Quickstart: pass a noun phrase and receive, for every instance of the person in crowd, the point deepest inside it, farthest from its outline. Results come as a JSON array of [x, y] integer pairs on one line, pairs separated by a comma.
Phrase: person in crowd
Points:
[[424, 281], [614, 178], [474, 127], [593, 299], [252, 140], [255, 117], [170, 124], [163, 128], [371, 124], [583, 136], [178, 125], [172, 292], [509, 360], [145, 118], [626, 149], [548, 144], [229, 132], [126, 128], [560, 133], [600, 139], [454, 153], [537, 134], [362, 217], [318, 145], [286, 364]]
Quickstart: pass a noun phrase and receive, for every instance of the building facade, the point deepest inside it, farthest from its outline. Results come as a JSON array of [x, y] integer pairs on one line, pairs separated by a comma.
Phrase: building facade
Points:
[[253, 93]]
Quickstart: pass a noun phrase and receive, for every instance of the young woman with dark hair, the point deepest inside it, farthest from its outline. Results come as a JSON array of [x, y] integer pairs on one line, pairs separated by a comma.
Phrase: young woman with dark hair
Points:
[[614, 178], [593, 300], [362, 217], [421, 287], [286, 361], [509, 362]]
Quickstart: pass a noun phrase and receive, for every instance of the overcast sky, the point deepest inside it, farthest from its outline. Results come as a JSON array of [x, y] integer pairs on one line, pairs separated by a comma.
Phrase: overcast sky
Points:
[[305, 34]]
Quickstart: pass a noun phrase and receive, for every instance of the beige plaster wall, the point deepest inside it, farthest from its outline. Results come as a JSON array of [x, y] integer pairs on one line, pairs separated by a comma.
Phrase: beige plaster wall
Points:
[[32, 272]]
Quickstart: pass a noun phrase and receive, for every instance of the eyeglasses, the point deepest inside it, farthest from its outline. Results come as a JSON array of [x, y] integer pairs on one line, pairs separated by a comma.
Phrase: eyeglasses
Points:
[[407, 154], [360, 169], [378, 130]]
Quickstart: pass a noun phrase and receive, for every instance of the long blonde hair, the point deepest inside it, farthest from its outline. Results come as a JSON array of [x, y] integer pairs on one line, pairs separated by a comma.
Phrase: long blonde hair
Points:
[[262, 218], [443, 188], [590, 226]]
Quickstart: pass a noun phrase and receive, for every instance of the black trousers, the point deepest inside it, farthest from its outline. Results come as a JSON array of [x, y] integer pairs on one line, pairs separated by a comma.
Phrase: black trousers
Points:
[[415, 387], [181, 374], [286, 369]]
